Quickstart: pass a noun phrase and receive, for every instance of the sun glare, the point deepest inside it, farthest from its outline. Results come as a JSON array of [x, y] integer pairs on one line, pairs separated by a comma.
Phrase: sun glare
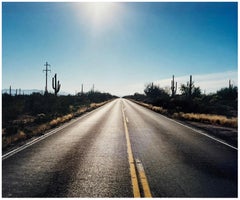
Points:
[[100, 16]]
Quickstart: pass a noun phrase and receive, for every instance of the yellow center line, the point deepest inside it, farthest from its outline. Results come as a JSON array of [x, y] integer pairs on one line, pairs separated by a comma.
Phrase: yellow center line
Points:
[[134, 179], [139, 166]]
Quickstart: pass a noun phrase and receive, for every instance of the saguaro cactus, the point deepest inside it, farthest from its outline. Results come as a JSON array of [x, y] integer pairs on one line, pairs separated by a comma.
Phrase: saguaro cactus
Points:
[[173, 87], [55, 84], [10, 90], [190, 86], [230, 85], [82, 90]]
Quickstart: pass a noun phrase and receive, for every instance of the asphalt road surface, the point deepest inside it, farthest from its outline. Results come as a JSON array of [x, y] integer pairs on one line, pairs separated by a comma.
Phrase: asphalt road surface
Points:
[[121, 150]]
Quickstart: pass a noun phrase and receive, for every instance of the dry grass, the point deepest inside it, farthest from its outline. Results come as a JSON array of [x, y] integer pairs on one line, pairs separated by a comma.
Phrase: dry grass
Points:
[[39, 129], [208, 118], [96, 105], [8, 140], [82, 110], [60, 120], [157, 109]]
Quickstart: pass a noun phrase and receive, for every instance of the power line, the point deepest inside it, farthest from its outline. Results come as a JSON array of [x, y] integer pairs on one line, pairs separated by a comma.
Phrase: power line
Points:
[[46, 70]]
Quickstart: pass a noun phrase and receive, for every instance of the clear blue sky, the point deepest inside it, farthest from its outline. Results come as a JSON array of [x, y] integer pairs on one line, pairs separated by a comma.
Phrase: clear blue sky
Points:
[[119, 47]]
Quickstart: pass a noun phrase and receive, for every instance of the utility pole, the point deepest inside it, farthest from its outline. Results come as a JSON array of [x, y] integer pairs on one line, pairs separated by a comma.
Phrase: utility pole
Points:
[[230, 85], [190, 86], [82, 90], [46, 70]]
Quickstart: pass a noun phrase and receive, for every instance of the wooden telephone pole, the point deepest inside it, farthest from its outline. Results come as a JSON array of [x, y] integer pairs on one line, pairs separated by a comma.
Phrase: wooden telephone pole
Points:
[[46, 70]]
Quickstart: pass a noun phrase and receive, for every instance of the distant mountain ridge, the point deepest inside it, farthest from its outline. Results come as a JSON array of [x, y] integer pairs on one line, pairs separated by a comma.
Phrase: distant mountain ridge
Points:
[[29, 91]]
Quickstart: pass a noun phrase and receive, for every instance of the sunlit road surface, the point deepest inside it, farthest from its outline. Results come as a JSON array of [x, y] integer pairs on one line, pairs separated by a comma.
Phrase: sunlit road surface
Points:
[[121, 150]]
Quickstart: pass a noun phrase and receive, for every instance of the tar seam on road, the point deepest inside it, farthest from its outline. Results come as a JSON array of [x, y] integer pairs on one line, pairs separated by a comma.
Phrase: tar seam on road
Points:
[[143, 179], [134, 178]]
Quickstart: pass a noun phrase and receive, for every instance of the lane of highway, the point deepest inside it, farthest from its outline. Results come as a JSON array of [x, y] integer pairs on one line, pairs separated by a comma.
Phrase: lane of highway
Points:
[[86, 159], [179, 162]]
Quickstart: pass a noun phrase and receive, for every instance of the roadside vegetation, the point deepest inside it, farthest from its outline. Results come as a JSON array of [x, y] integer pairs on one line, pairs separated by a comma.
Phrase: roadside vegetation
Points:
[[25, 116], [218, 108]]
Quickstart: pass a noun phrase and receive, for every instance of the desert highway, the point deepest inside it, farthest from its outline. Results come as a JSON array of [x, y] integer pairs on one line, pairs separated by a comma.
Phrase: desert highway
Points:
[[121, 150]]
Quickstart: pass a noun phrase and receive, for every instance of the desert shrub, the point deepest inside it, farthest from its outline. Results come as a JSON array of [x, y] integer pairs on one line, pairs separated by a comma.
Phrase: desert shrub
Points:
[[14, 138], [155, 95]]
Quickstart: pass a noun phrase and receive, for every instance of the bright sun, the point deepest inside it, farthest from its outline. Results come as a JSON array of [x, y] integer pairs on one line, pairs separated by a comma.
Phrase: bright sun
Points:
[[101, 16]]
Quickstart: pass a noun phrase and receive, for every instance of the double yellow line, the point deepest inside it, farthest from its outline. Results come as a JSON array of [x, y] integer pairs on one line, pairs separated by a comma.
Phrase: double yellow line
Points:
[[133, 167]]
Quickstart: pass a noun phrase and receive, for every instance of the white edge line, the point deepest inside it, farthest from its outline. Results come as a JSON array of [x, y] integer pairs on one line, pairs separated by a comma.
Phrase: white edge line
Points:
[[38, 139], [200, 132]]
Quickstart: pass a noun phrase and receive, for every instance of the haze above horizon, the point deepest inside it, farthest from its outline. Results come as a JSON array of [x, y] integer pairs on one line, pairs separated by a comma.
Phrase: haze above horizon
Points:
[[119, 47]]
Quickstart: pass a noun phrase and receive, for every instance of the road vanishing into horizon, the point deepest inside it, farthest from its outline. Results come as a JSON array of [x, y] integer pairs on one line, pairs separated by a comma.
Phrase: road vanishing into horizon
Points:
[[121, 150]]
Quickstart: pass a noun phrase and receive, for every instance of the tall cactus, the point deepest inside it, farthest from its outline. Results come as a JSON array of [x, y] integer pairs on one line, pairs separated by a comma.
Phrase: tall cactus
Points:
[[173, 87], [10, 91], [190, 86], [55, 84], [230, 85]]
